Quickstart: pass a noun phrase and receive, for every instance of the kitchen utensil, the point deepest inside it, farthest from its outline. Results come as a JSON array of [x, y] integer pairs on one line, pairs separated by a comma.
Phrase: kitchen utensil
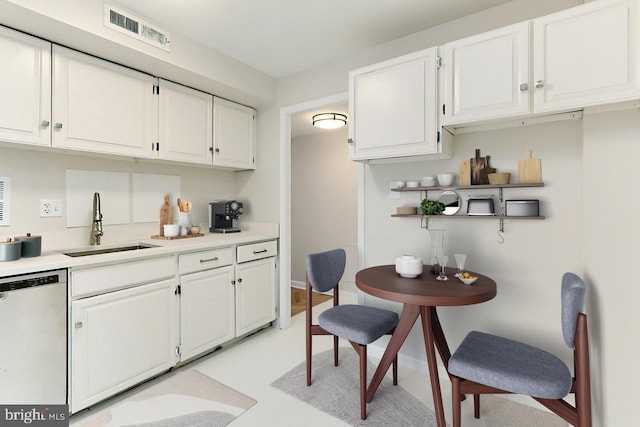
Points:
[[529, 170], [445, 179], [409, 266], [10, 250], [171, 230], [522, 207], [469, 280], [460, 260], [479, 169], [480, 206], [498, 178], [428, 181], [413, 184], [464, 177], [31, 245], [406, 210]]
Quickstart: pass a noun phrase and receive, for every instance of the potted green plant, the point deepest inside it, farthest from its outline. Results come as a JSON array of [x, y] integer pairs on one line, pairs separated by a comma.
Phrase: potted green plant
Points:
[[430, 207]]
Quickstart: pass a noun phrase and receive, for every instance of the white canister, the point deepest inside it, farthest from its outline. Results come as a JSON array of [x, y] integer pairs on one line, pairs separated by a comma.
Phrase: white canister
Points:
[[409, 266]]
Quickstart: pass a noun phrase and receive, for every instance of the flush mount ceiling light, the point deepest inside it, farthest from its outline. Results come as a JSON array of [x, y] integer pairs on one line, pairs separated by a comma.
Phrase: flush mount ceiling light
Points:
[[329, 120]]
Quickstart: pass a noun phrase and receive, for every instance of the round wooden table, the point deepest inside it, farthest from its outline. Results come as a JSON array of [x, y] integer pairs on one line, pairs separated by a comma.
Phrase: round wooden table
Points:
[[420, 296]]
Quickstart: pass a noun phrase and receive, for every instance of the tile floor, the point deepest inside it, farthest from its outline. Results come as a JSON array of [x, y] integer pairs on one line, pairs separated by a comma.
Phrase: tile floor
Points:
[[251, 365]]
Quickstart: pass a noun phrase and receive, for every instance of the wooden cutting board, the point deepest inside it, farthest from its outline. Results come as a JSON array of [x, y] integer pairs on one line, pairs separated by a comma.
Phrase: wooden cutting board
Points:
[[464, 177], [529, 170]]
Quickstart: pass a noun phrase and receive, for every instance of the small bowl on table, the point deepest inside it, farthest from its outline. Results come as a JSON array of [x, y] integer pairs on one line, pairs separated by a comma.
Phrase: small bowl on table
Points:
[[467, 280]]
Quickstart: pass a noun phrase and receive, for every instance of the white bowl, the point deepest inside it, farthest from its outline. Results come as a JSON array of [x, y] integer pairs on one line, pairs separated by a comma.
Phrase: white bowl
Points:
[[413, 184], [445, 178], [468, 281], [409, 266], [171, 230], [399, 184], [428, 181]]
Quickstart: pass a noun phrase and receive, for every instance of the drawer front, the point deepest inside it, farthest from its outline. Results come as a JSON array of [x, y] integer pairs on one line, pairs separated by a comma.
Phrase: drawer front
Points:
[[98, 280], [205, 260], [257, 251]]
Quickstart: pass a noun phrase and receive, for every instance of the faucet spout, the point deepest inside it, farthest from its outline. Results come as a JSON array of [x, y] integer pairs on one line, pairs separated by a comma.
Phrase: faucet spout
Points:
[[96, 224]]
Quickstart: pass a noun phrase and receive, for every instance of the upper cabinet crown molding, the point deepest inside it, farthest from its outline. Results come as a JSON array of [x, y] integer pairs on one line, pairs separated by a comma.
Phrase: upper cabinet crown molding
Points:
[[25, 105]]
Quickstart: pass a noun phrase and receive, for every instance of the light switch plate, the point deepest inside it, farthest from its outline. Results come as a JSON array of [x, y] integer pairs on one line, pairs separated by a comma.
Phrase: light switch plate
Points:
[[50, 208]]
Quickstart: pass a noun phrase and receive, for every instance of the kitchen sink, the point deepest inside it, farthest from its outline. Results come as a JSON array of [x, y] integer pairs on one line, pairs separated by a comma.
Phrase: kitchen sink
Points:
[[101, 251]]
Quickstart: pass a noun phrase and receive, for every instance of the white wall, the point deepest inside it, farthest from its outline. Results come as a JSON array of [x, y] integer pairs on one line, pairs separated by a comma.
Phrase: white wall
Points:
[[324, 188], [39, 175], [610, 237]]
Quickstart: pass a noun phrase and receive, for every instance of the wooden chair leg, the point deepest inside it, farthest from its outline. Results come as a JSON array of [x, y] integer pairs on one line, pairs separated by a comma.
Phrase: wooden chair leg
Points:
[[362, 350], [395, 370], [455, 401], [476, 405], [335, 350]]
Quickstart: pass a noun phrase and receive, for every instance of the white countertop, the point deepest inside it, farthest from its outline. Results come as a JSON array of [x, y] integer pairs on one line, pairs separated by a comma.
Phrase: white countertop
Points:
[[50, 260]]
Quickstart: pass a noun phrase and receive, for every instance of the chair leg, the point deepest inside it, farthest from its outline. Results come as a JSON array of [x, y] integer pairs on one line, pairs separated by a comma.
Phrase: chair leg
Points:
[[335, 350], [476, 405], [363, 381], [395, 370], [455, 400], [308, 319]]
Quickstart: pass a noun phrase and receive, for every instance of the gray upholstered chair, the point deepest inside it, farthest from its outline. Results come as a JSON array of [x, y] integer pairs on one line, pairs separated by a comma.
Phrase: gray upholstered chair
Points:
[[488, 364], [359, 324]]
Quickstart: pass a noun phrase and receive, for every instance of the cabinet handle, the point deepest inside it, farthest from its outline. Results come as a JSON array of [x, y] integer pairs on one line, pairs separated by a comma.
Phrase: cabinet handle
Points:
[[217, 150], [240, 280], [208, 260], [78, 325], [45, 123], [350, 141], [58, 126], [233, 282], [259, 252], [539, 83], [524, 87]]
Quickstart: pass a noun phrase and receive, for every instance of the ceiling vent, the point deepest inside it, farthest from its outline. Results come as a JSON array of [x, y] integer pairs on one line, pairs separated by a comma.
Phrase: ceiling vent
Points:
[[4, 200], [135, 27]]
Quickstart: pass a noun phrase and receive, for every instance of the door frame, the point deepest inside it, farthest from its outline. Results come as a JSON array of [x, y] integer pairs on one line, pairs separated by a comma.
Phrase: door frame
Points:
[[284, 312]]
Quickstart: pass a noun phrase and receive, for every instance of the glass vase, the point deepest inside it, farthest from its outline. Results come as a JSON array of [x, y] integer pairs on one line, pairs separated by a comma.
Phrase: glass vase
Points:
[[437, 248]]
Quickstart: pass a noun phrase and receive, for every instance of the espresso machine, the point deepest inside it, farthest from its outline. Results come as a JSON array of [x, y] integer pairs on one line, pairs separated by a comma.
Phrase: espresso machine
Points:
[[221, 216]]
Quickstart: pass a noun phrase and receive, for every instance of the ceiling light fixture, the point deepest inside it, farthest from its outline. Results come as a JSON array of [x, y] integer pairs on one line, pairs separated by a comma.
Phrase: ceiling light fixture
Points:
[[329, 120]]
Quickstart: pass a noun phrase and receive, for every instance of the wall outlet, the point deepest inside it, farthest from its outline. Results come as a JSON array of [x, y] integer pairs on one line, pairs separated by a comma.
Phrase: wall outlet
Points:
[[50, 208]]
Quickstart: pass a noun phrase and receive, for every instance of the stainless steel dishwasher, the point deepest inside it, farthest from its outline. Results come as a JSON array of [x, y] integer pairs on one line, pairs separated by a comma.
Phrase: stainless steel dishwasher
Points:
[[33, 338]]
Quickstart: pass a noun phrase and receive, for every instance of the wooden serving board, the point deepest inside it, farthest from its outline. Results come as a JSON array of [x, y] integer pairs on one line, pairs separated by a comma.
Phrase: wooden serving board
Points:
[[529, 170], [176, 237], [464, 176]]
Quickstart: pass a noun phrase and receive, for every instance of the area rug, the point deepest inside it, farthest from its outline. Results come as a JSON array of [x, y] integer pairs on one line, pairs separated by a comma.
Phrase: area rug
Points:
[[189, 398], [336, 391]]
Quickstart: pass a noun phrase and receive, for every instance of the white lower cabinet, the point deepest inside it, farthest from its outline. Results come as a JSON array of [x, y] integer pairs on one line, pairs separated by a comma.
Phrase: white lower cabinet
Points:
[[119, 339], [207, 307], [255, 286]]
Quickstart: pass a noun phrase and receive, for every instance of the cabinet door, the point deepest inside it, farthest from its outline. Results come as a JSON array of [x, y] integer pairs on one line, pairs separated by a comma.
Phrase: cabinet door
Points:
[[25, 89], [255, 294], [233, 135], [119, 339], [487, 76], [102, 107], [392, 107], [587, 55], [186, 124], [207, 315]]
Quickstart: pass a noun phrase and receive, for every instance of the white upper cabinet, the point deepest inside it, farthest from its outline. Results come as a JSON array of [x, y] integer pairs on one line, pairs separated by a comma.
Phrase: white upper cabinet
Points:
[[487, 75], [102, 107], [25, 88], [586, 55], [392, 108], [234, 136], [186, 124]]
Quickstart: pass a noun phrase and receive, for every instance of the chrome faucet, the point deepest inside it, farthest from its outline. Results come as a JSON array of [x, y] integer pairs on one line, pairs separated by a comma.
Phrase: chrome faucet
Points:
[[96, 224]]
